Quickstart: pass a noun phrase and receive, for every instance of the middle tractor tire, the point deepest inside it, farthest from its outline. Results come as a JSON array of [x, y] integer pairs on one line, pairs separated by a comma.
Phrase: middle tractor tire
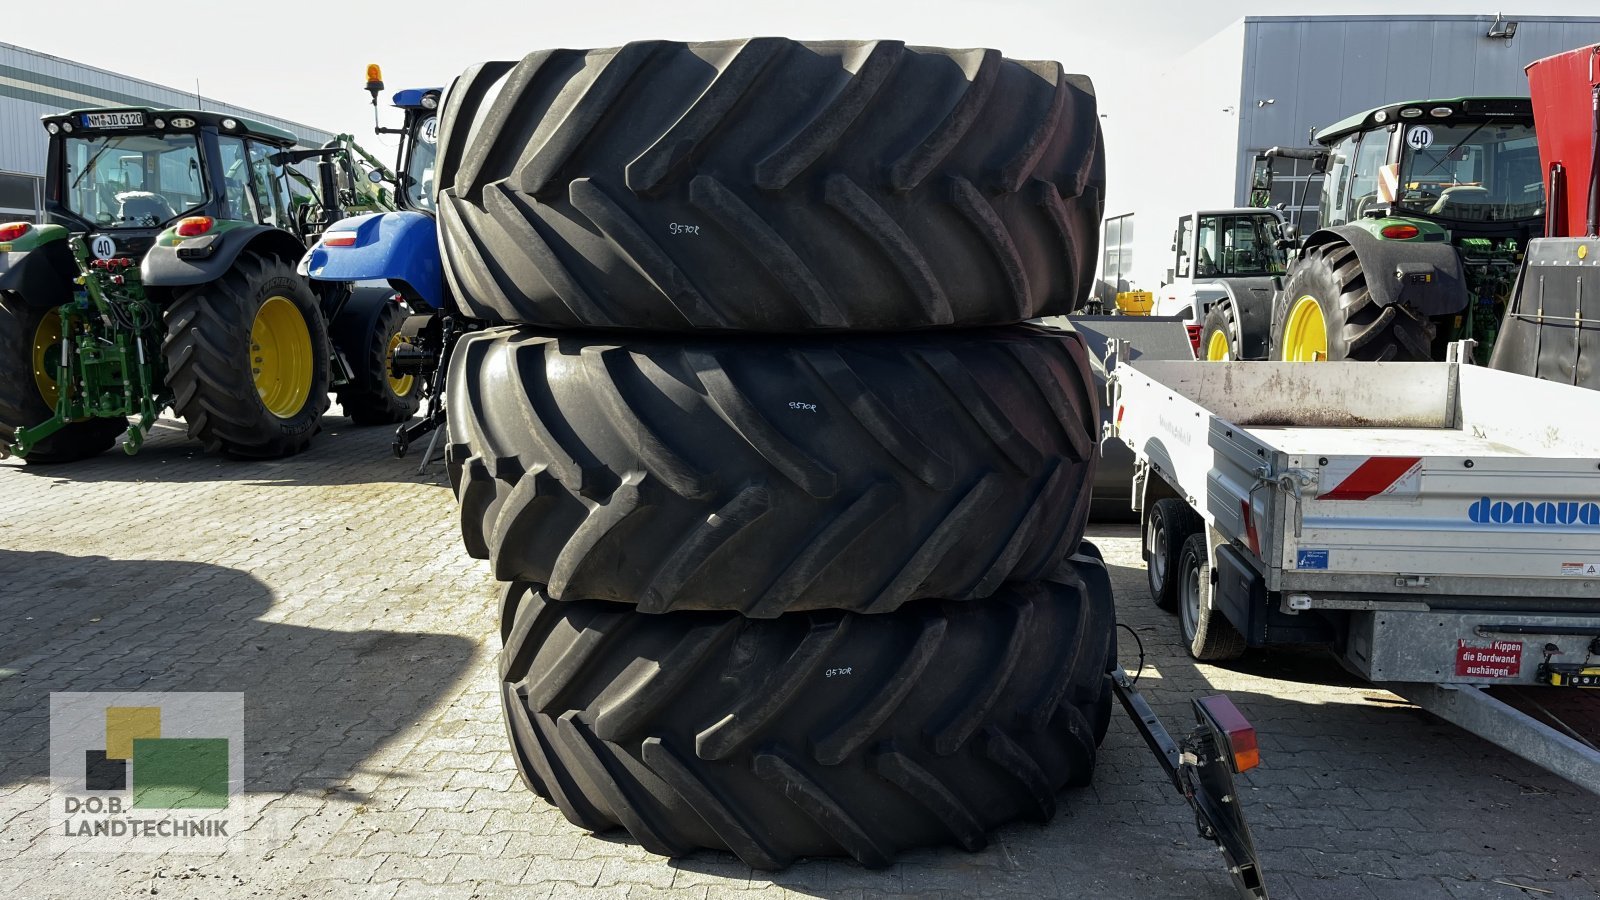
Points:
[[374, 396], [814, 734], [767, 476], [769, 185], [1326, 312], [247, 360], [30, 341]]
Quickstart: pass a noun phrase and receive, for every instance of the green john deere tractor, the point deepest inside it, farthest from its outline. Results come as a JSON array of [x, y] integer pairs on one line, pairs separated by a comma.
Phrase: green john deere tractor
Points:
[[1426, 210], [166, 276]]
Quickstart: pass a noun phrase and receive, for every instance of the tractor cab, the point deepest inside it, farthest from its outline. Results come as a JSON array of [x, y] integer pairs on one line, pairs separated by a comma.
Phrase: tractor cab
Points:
[[125, 175], [1469, 165], [419, 138]]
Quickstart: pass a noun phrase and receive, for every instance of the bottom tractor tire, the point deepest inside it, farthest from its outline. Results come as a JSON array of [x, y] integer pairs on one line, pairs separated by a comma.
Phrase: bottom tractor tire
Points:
[[247, 360], [813, 734], [1207, 633], [30, 340], [1327, 313], [373, 396], [1166, 528], [858, 472]]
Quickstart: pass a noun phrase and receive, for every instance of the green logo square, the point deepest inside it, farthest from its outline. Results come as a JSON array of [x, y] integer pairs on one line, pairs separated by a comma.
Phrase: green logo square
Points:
[[180, 773]]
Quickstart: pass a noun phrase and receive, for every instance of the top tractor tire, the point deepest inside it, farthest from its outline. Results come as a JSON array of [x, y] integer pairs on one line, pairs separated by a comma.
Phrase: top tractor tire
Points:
[[247, 360], [373, 396], [816, 734], [29, 338], [855, 473], [1326, 296], [769, 185]]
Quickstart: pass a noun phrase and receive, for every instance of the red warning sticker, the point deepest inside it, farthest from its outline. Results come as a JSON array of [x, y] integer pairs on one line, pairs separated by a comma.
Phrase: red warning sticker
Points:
[[1501, 659]]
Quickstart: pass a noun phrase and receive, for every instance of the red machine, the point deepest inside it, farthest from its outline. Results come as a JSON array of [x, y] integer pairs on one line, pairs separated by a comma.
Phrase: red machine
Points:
[[1566, 110]]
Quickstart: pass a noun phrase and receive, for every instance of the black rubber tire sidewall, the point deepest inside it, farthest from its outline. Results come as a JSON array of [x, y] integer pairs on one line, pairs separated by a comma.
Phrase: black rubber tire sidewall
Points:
[[1167, 527], [368, 398]]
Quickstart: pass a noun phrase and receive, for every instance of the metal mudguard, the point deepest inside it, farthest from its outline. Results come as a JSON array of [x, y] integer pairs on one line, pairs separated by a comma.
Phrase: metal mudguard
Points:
[[1395, 270], [1548, 331], [1252, 304], [42, 276], [203, 259], [399, 247]]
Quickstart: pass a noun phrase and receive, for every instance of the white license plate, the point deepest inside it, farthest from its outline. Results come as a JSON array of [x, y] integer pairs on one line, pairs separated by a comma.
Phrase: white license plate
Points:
[[113, 120]]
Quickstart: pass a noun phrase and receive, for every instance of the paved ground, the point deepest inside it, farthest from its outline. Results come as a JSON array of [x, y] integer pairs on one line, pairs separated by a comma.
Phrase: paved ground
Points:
[[331, 590]]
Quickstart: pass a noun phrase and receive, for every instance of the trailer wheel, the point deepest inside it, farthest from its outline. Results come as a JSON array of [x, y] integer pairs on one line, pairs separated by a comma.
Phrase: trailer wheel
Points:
[[30, 341], [1209, 634], [1328, 313], [811, 734], [1169, 525]]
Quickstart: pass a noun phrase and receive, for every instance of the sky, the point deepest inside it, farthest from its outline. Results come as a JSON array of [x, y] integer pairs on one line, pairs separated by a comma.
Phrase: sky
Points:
[[270, 61]]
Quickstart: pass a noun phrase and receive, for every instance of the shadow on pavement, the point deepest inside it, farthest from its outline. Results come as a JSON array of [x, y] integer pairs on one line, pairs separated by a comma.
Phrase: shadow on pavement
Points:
[[340, 454], [317, 701]]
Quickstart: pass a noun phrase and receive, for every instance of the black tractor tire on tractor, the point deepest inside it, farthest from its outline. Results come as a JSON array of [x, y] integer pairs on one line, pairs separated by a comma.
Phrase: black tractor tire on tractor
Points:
[[372, 396], [855, 473], [211, 360], [1207, 633], [814, 734], [1166, 528], [769, 185], [1220, 325], [1358, 327], [21, 403]]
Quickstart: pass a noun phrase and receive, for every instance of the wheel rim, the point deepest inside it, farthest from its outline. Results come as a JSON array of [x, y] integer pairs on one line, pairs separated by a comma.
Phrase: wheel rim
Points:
[[1305, 335], [1191, 602], [280, 357], [401, 386], [46, 350], [1158, 550], [1217, 349]]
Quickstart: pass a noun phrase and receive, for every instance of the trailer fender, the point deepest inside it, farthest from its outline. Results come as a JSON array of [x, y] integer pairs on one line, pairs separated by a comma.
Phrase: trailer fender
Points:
[[399, 247], [1241, 595], [1424, 275], [180, 262], [39, 267]]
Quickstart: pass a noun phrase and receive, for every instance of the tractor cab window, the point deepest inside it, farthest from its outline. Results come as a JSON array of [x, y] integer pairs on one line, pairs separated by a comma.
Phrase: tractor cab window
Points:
[[1237, 246], [424, 146], [132, 180], [1472, 172], [1336, 184], [1371, 153], [269, 183], [1180, 243], [237, 199]]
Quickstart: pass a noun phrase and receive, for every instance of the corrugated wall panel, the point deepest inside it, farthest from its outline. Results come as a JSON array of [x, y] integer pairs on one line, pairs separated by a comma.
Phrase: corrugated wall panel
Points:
[[35, 84]]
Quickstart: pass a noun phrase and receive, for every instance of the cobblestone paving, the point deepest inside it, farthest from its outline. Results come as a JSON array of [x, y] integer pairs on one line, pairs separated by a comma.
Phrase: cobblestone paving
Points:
[[331, 590]]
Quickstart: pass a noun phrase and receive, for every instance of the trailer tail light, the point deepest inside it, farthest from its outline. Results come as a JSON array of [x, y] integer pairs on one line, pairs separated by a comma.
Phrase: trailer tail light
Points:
[[339, 239], [1400, 232], [194, 226], [1194, 338], [10, 231], [1235, 735]]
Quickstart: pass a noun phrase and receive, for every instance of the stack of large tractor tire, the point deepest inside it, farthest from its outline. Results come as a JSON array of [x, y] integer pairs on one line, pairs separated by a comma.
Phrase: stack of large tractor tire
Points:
[[787, 505]]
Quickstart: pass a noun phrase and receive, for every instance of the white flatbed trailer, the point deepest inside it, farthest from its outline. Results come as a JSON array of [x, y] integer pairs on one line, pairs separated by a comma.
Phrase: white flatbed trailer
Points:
[[1435, 525]]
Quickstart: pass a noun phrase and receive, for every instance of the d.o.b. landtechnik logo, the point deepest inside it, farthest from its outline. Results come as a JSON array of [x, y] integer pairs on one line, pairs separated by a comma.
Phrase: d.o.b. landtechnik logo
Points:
[[145, 771]]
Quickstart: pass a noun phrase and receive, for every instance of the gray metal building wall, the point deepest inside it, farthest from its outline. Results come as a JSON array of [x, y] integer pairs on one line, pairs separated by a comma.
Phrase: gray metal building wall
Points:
[[1316, 70], [35, 84]]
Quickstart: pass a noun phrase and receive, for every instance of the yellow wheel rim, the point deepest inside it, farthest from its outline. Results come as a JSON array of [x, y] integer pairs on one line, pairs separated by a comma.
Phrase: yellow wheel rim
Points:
[[1217, 347], [46, 350], [402, 385], [280, 357], [1305, 335]]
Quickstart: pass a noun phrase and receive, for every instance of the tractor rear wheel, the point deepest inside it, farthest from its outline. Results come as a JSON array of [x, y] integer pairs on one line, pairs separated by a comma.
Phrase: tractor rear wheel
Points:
[[812, 734], [30, 342], [1219, 338], [374, 396], [1327, 313], [247, 360]]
